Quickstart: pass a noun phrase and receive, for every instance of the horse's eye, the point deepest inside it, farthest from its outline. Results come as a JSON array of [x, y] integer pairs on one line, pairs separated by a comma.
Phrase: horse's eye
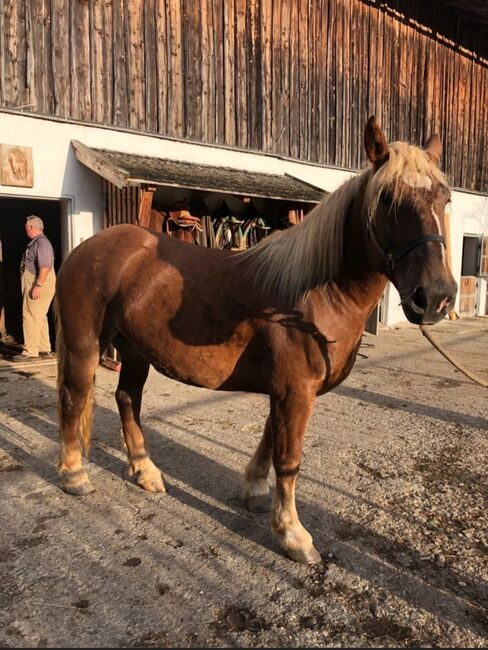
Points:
[[386, 198]]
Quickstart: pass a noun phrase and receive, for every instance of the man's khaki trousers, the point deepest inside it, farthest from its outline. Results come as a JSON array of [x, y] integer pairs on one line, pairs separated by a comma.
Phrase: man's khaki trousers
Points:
[[34, 313]]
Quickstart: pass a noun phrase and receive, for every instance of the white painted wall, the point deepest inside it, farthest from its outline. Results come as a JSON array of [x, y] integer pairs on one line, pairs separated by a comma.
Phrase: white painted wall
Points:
[[58, 175]]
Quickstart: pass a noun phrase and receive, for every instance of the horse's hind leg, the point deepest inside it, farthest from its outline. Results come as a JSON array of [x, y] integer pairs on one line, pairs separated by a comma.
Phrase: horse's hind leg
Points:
[[75, 413], [133, 375], [256, 490], [289, 416]]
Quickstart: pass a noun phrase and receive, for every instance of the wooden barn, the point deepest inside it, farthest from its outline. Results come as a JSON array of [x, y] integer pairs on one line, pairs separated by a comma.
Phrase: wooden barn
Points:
[[236, 115]]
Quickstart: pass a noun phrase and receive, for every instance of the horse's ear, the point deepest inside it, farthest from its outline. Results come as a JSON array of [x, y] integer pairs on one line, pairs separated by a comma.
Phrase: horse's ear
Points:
[[433, 147], [375, 143]]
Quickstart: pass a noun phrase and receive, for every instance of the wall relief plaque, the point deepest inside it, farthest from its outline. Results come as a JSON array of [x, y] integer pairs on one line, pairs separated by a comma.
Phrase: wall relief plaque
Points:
[[16, 166]]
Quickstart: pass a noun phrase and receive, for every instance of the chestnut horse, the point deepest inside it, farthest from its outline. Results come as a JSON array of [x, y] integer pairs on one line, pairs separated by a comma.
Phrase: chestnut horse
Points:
[[284, 318]]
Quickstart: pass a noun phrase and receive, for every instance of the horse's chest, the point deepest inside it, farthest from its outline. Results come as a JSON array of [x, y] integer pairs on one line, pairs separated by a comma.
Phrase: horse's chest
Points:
[[339, 360]]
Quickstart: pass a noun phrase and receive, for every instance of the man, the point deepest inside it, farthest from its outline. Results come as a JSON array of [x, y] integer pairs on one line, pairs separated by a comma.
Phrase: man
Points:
[[38, 281]]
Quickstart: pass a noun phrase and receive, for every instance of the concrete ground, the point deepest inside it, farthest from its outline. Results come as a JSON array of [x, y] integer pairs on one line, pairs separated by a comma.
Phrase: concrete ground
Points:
[[393, 488]]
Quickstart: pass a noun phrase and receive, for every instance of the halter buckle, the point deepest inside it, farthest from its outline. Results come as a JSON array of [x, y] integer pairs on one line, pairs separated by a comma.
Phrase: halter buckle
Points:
[[390, 261]]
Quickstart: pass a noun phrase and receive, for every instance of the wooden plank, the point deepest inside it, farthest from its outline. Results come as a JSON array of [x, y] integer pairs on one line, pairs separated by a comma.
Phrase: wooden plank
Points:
[[355, 79], [208, 123], [113, 205], [121, 82], [175, 70], [470, 112], [467, 295], [10, 91], [480, 117], [346, 86], [135, 63], [98, 62], [379, 72], [331, 95], [80, 71], [23, 95], [60, 53], [241, 76], [149, 53], [267, 73], [145, 207], [339, 81], [254, 80], [95, 161], [297, 78], [191, 69], [229, 72], [421, 128], [430, 73], [304, 95], [217, 30], [108, 89], [322, 45], [162, 67], [366, 107]]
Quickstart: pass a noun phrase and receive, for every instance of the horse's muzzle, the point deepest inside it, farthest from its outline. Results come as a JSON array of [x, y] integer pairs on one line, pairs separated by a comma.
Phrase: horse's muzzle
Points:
[[429, 306]]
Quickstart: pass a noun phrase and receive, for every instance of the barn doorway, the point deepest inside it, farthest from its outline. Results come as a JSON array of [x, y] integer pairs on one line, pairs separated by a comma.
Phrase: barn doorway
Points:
[[468, 289], [13, 240]]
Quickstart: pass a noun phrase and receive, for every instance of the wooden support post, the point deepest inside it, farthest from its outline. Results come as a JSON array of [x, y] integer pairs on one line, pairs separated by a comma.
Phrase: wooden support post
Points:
[[145, 206]]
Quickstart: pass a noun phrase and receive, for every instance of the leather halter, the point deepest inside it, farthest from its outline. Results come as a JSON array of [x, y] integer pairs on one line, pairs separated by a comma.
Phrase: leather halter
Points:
[[392, 257]]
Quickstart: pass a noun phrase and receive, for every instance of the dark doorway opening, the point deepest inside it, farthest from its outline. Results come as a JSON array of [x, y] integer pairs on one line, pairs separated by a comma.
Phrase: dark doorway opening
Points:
[[13, 240]]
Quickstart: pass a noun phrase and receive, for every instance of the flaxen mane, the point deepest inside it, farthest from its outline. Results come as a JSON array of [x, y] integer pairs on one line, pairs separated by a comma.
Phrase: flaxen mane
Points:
[[289, 263]]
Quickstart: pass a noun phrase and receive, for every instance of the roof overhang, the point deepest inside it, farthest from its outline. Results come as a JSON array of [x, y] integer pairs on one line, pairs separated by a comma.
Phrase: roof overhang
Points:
[[125, 169]]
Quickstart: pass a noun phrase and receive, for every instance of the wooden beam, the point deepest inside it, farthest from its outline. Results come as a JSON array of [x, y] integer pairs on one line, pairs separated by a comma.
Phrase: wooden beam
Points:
[[145, 206], [97, 162]]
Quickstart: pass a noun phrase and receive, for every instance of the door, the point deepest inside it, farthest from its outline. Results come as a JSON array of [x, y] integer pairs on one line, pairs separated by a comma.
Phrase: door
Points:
[[13, 240]]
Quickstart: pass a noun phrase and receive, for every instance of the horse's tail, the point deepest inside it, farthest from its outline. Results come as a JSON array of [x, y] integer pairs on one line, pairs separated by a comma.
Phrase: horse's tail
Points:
[[63, 368]]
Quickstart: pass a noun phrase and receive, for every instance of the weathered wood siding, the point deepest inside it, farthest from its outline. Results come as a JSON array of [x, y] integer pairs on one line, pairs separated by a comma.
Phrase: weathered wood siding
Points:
[[291, 77]]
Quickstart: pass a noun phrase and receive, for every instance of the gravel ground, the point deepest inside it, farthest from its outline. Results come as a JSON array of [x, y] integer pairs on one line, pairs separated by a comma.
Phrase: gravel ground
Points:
[[393, 489]]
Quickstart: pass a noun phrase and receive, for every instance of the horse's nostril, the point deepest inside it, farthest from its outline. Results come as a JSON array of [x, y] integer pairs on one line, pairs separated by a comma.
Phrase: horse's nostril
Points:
[[419, 299]]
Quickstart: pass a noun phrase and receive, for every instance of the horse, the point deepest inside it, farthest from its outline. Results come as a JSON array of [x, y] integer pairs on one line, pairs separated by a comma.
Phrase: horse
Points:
[[284, 318]]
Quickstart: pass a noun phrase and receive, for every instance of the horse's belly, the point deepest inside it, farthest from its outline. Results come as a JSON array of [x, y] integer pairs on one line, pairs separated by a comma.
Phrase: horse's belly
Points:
[[205, 356], [209, 366]]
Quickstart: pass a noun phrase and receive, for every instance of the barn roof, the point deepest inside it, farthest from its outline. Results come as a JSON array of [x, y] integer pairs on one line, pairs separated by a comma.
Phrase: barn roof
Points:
[[124, 169]]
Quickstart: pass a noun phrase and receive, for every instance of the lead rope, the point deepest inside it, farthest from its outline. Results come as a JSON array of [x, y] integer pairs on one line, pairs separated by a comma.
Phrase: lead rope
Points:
[[428, 335]]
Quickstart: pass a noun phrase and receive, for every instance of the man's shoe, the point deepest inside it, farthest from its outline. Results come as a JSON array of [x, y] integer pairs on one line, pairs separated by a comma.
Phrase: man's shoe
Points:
[[22, 357], [47, 355]]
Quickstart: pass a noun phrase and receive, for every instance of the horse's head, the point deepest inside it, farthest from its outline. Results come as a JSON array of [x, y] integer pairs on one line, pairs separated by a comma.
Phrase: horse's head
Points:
[[406, 197]]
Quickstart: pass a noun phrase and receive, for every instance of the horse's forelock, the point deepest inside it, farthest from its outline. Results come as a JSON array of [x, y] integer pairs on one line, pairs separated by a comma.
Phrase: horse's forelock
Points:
[[408, 167]]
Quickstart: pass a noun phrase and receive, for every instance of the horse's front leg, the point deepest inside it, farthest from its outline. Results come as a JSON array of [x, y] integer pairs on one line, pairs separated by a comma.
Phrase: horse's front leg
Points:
[[256, 490], [133, 375], [289, 417]]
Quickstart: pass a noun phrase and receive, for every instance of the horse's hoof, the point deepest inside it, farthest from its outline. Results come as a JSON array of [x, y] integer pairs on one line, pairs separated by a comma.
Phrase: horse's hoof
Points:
[[152, 486], [305, 556], [146, 475], [261, 503], [79, 489]]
